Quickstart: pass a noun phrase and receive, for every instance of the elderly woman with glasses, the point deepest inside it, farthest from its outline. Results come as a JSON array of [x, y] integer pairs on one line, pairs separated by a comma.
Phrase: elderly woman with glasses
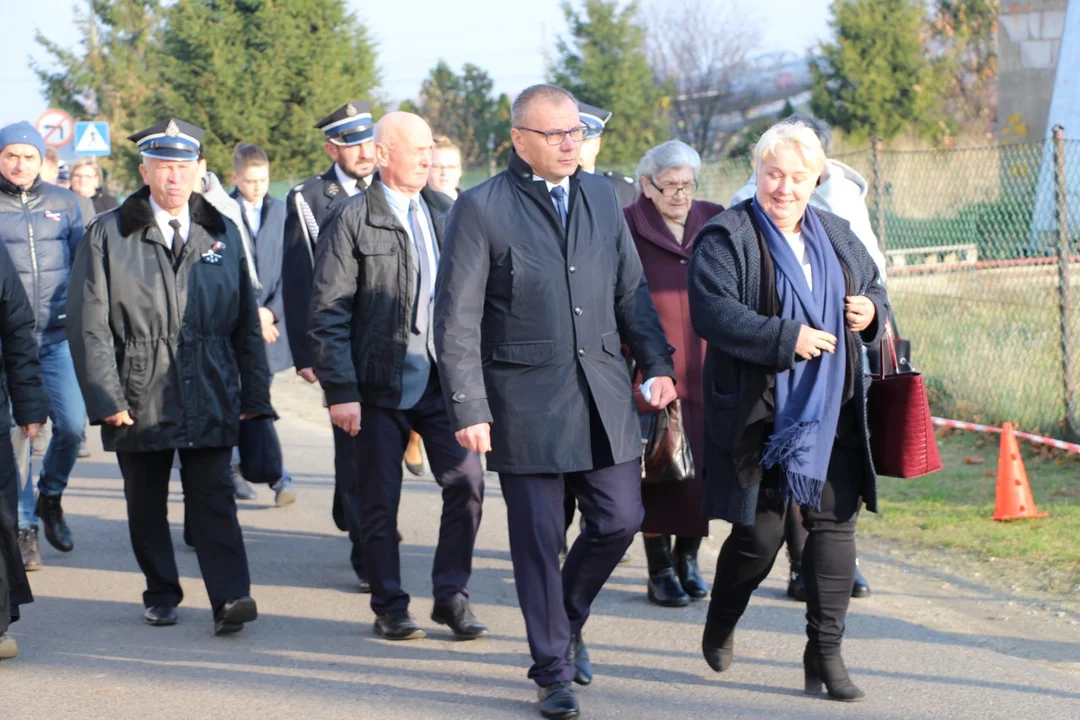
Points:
[[785, 296], [664, 221]]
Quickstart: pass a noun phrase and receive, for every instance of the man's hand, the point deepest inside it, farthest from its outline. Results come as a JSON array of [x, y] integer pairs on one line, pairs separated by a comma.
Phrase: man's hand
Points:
[[119, 419], [247, 416], [308, 374], [346, 416], [30, 431], [859, 311], [270, 333], [662, 392], [475, 438]]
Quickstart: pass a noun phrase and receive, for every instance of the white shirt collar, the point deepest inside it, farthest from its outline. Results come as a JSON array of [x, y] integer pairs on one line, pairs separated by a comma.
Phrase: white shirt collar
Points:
[[162, 218], [350, 184], [249, 206], [564, 184]]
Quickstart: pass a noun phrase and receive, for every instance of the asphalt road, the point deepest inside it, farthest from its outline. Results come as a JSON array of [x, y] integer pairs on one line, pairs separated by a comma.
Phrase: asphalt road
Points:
[[925, 645]]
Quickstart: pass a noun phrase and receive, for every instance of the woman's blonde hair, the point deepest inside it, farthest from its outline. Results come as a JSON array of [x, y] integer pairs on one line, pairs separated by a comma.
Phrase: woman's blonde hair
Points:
[[797, 135]]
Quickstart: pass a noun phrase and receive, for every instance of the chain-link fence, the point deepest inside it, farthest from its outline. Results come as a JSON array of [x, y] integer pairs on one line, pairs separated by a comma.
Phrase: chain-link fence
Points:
[[983, 251]]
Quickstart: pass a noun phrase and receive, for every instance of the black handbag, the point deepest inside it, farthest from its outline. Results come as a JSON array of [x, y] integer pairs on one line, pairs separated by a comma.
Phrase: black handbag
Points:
[[665, 458], [260, 451]]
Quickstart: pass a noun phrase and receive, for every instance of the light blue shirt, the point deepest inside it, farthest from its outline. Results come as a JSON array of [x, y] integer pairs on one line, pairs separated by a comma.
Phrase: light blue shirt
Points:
[[399, 204]]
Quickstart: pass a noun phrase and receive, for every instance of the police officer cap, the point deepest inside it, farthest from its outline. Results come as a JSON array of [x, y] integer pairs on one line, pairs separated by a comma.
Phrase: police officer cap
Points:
[[594, 118], [349, 125], [171, 139]]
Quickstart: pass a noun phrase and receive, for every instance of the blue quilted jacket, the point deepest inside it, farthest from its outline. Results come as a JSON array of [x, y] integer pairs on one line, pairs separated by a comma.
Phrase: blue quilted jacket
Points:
[[41, 227]]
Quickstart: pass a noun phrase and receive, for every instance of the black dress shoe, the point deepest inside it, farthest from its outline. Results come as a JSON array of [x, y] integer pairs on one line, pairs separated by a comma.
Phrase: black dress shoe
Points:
[[578, 656], [231, 616], [861, 588], [458, 616], [56, 528], [398, 626], [160, 616], [796, 587], [558, 701]]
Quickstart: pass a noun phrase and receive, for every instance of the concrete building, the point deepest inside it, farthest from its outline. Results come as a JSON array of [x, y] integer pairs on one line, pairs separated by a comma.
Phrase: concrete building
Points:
[[1029, 47]]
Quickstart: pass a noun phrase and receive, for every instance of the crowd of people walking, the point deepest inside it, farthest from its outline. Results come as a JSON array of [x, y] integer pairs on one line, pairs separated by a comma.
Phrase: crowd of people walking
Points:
[[542, 324]]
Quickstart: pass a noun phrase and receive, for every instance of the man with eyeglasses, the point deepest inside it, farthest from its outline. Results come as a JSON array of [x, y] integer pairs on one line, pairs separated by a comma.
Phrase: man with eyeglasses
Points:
[[596, 119], [539, 286]]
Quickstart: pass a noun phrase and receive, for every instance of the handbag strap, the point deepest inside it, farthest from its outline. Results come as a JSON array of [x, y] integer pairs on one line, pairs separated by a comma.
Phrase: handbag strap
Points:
[[888, 340]]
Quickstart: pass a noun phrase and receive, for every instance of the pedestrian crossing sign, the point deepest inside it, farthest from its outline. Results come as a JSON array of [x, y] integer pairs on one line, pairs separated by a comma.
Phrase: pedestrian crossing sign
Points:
[[92, 138]]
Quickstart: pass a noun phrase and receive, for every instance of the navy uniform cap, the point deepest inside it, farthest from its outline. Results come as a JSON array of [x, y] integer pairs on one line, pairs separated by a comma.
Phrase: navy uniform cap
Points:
[[594, 118], [349, 125], [171, 139]]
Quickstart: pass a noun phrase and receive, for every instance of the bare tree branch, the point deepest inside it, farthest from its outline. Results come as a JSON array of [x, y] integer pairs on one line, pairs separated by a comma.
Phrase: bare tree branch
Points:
[[698, 48]]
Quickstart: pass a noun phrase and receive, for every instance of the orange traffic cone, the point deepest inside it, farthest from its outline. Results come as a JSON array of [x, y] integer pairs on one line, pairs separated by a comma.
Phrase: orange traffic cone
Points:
[[1014, 499]]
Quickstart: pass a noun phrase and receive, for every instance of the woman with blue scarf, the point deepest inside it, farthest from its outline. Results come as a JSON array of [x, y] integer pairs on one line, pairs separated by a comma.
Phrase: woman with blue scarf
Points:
[[785, 296]]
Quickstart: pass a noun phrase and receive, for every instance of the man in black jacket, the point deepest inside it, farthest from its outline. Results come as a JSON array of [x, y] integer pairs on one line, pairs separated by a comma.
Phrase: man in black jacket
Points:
[[41, 226], [20, 374], [375, 270], [165, 333], [540, 285], [348, 131]]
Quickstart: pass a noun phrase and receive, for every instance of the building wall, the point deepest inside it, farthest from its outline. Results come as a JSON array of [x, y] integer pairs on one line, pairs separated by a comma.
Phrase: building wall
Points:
[[1029, 43]]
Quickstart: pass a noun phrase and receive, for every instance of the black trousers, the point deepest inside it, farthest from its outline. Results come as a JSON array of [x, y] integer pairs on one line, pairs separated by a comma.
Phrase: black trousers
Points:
[[208, 500], [828, 559], [557, 603], [14, 588], [794, 536], [381, 442], [346, 508]]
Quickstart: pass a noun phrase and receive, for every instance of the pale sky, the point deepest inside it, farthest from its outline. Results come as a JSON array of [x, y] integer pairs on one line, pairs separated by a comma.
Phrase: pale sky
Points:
[[508, 38]]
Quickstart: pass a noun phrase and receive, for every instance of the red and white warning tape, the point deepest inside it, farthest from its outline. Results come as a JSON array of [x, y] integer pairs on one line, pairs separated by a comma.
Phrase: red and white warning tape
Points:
[[975, 427]]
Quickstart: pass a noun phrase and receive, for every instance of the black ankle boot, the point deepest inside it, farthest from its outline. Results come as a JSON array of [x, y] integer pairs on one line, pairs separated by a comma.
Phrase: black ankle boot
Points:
[[718, 647], [796, 587], [52, 519], [664, 587], [686, 567], [829, 669]]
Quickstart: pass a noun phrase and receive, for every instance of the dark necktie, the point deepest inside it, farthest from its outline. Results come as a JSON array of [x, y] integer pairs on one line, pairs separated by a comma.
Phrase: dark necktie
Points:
[[177, 239], [419, 227], [559, 196]]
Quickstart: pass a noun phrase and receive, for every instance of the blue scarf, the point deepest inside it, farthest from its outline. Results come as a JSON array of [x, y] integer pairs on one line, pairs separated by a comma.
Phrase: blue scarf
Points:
[[808, 396]]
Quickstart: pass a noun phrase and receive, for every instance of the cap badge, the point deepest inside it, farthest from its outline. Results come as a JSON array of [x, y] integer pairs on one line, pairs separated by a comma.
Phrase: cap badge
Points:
[[350, 110], [171, 130]]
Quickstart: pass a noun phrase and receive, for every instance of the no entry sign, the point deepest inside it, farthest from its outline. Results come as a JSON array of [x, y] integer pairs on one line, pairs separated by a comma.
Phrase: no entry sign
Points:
[[56, 126]]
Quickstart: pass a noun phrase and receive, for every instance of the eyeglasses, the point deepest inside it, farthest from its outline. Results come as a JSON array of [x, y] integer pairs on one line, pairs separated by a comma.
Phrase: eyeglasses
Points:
[[556, 137], [670, 191]]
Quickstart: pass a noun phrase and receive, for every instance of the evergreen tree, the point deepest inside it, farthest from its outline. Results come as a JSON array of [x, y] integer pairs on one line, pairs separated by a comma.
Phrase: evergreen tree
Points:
[[261, 71], [604, 63], [264, 71], [875, 78], [463, 108], [113, 76]]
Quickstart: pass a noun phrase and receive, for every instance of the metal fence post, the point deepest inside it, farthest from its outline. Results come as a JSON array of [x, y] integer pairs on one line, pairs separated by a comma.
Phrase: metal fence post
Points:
[[878, 146], [1064, 287]]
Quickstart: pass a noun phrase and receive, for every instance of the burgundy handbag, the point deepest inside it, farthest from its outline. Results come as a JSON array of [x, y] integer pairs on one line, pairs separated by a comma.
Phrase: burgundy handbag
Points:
[[902, 441]]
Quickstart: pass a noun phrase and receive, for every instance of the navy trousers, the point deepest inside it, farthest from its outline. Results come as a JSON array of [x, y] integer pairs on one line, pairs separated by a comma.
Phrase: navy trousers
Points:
[[381, 443], [346, 508], [556, 603]]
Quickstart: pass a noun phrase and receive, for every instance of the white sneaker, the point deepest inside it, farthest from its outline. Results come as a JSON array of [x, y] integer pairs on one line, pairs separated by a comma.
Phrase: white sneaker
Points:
[[284, 492], [8, 647], [242, 490]]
